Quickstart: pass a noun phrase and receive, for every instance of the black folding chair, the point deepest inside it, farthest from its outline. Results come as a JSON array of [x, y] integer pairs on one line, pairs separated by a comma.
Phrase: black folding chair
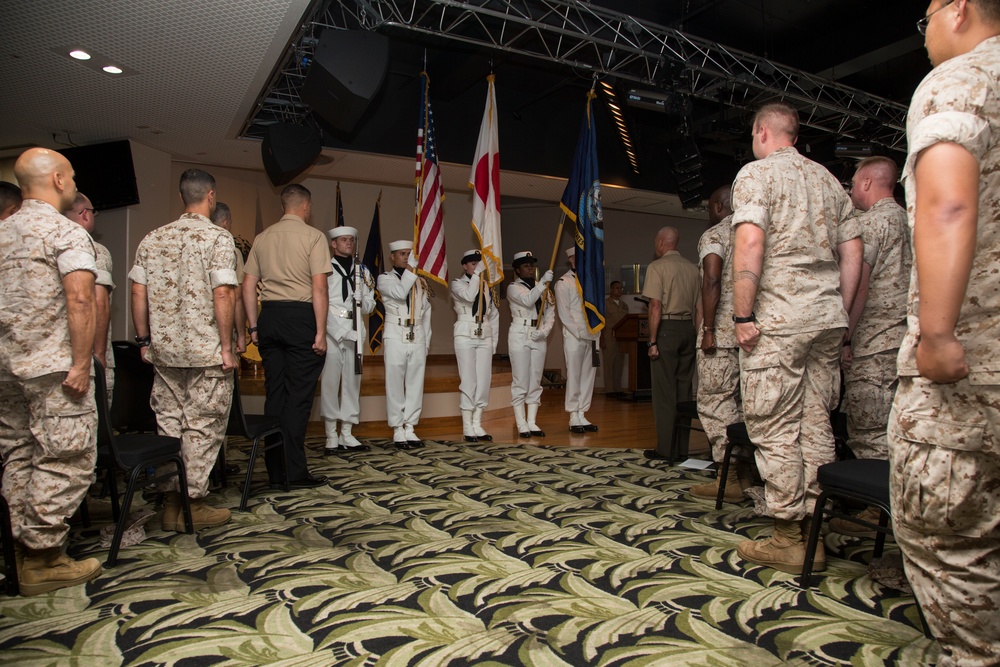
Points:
[[130, 410], [133, 454], [255, 428]]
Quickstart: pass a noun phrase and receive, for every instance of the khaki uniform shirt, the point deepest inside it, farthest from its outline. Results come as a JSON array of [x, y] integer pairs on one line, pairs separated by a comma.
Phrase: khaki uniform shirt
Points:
[[674, 282], [958, 102], [805, 213], [286, 256], [614, 312], [181, 264], [887, 251], [105, 267], [39, 248], [718, 240]]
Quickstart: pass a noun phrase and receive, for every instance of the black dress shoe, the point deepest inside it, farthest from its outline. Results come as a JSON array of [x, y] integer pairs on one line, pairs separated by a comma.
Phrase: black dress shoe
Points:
[[524, 434], [402, 445], [538, 434], [655, 455], [341, 449], [486, 437], [471, 438], [310, 482], [414, 444], [577, 429], [590, 428]]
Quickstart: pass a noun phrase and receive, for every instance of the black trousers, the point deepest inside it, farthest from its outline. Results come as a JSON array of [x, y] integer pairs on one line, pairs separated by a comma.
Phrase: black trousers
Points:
[[671, 377], [286, 331]]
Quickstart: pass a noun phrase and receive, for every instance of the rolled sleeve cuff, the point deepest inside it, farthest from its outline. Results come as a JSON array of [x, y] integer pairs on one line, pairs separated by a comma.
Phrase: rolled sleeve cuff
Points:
[[104, 278], [137, 275], [76, 260], [223, 277], [752, 213], [711, 249], [965, 129]]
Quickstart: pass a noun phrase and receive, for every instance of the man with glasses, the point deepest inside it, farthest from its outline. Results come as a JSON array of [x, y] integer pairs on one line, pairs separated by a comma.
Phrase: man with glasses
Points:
[[83, 214], [944, 430]]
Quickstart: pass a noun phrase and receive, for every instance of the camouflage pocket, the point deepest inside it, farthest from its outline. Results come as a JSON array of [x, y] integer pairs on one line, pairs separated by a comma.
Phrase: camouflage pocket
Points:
[[762, 379], [939, 472]]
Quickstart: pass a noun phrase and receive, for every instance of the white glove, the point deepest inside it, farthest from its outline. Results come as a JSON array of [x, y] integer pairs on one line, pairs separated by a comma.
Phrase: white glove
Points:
[[479, 268], [546, 277], [412, 261], [351, 335], [537, 334]]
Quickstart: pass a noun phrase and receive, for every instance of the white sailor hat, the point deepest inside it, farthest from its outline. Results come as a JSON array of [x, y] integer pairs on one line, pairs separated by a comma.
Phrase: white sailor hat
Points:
[[472, 255], [400, 245], [523, 258], [337, 232], [571, 251]]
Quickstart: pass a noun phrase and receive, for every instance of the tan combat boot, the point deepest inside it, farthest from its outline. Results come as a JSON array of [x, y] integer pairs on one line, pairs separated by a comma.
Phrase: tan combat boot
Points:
[[172, 518], [732, 494], [50, 569], [819, 559], [845, 527], [784, 550], [204, 515]]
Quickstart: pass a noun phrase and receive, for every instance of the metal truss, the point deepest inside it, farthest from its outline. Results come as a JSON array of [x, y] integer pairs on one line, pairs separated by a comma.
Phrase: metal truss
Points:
[[596, 41]]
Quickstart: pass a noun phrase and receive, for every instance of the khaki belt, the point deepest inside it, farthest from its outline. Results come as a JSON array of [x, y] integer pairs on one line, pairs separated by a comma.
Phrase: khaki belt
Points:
[[679, 318]]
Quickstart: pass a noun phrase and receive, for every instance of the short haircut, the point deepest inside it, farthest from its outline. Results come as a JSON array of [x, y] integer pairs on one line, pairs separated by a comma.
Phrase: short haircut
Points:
[[10, 195], [779, 117], [80, 199], [221, 213], [613, 283], [294, 196], [881, 169], [195, 186], [990, 9]]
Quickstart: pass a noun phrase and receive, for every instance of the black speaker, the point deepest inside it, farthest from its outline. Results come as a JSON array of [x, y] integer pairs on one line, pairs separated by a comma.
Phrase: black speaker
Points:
[[346, 73], [288, 150]]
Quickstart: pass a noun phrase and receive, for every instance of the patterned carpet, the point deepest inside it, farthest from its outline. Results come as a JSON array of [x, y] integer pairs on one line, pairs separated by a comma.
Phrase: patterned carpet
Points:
[[468, 555]]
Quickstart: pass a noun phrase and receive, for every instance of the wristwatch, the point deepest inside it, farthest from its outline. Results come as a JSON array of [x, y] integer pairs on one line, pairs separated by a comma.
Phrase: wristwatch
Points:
[[651, 343], [745, 320], [143, 341]]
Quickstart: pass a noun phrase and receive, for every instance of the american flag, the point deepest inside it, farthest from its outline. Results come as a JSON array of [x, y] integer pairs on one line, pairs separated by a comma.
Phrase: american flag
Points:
[[429, 220]]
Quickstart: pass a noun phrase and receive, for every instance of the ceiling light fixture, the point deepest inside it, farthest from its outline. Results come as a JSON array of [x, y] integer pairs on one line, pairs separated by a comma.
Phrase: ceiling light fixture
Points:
[[112, 69], [79, 54]]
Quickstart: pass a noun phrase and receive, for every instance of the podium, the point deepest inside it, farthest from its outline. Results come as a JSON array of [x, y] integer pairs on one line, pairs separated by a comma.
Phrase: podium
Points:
[[632, 332]]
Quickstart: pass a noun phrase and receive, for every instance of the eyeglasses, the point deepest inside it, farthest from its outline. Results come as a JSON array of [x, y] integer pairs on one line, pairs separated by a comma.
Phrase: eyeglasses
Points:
[[922, 23], [93, 211]]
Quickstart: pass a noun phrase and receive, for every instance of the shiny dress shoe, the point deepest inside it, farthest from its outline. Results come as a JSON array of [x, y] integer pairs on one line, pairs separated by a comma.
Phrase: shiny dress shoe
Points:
[[590, 428], [576, 428], [654, 455], [343, 449], [471, 438], [308, 482], [485, 437], [524, 434], [415, 444], [538, 434], [402, 445]]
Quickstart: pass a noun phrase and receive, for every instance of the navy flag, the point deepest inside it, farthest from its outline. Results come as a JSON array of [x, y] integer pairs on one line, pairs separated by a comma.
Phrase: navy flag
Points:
[[373, 262], [581, 201], [340, 209]]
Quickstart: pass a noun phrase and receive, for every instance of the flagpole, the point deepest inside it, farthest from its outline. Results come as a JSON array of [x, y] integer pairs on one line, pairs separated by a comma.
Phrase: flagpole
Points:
[[552, 267]]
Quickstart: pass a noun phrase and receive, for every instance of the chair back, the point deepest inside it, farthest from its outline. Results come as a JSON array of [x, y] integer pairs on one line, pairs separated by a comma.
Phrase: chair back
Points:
[[237, 420], [130, 411], [106, 448]]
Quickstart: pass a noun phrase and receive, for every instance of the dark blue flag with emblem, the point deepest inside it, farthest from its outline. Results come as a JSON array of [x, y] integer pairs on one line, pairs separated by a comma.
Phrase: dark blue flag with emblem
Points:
[[373, 262], [581, 201], [340, 209]]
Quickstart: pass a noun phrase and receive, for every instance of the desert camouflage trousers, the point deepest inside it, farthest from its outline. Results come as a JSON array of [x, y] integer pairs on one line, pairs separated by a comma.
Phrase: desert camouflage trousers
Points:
[[790, 384], [944, 453], [48, 445], [871, 384], [719, 403], [193, 404]]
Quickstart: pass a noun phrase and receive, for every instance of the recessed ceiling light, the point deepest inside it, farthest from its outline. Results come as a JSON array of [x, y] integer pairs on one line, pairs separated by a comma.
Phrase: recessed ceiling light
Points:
[[79, 55], [111, 69]]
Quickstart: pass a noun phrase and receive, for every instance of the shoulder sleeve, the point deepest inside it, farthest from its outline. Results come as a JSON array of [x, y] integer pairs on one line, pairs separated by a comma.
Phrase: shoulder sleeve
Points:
[[319, 256], [252, 266], [751, 192], [651, 287], [222, 261]]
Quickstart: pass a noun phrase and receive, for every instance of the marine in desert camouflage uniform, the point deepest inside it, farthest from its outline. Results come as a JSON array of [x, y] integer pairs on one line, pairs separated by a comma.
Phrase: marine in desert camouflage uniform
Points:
[[183, 304], [944, 430], [796, 266], [48, 420]]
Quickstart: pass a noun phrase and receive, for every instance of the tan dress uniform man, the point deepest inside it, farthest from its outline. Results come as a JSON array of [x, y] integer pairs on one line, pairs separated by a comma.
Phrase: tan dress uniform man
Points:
[[944, 430], [718, 355], [877, 319], [82, 213], [615, 310], [527, 340], [291, 261], [672, 287], [48, 420], [340, 386], [578, 348], [406, 339], [476, 332], [183, 304], [10, 199], [792, 219]]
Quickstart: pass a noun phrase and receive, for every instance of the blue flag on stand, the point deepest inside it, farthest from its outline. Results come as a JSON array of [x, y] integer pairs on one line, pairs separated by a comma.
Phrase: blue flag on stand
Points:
[[373, 262], [581, 201]]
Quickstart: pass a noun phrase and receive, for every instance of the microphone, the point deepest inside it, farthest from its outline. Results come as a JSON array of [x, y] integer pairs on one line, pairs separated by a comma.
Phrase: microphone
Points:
[[641, 299]]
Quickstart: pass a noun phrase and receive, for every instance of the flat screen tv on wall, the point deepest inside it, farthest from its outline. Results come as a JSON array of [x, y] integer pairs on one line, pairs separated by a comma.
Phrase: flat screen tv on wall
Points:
[[104, 172]]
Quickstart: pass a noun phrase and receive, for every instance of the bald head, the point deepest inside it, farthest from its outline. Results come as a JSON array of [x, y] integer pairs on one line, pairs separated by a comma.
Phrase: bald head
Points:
[[720, 204], [46, 175], [666, 240]]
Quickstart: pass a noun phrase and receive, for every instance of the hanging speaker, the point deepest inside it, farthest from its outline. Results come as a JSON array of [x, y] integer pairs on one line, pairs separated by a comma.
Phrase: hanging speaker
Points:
[[346, 73], [288, 150]]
